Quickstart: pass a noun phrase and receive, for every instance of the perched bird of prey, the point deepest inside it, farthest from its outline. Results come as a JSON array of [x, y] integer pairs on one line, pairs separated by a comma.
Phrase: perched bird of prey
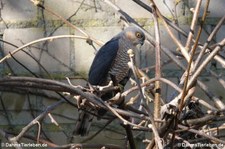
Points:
[[111, 64]]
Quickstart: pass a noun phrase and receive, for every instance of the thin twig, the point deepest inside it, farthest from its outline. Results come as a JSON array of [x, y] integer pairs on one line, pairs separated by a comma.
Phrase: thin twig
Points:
[[34, 121], [157, 105], [176, 41], [213, 33], [192, 52], [193, 23], [40, 40], [201, 134], [88, 37]]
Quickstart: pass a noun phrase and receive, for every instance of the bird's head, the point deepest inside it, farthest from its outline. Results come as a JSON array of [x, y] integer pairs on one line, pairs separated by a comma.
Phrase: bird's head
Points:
[[135, 35]]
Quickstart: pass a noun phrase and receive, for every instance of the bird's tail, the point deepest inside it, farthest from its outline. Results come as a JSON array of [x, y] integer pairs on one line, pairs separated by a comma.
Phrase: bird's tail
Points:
[[83, 123]]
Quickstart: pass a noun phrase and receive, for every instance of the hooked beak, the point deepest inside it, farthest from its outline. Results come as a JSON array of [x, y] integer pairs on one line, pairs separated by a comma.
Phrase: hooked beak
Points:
[[142, 42]]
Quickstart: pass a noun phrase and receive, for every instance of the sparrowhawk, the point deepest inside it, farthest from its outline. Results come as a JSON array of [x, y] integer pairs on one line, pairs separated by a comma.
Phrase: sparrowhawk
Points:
[[111, 64]]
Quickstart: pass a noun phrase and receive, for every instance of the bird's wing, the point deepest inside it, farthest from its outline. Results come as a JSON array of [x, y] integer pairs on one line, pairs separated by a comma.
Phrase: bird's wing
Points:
[[103, 61]]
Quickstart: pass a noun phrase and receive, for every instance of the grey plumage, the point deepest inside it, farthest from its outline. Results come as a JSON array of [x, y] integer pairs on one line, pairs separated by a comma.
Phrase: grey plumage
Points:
[[112, 58], [110, 63]]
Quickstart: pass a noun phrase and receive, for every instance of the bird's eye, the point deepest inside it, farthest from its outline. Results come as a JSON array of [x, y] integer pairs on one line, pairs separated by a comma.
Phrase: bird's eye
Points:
[[138, 35]]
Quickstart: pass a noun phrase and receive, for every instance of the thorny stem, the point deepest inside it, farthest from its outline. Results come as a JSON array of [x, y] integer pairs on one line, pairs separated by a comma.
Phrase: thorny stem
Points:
[[155, 131], [133, 68], [51, 85]]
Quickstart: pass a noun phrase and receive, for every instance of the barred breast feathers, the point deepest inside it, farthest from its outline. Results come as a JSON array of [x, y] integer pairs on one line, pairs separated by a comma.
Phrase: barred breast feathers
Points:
[[120, 67]]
